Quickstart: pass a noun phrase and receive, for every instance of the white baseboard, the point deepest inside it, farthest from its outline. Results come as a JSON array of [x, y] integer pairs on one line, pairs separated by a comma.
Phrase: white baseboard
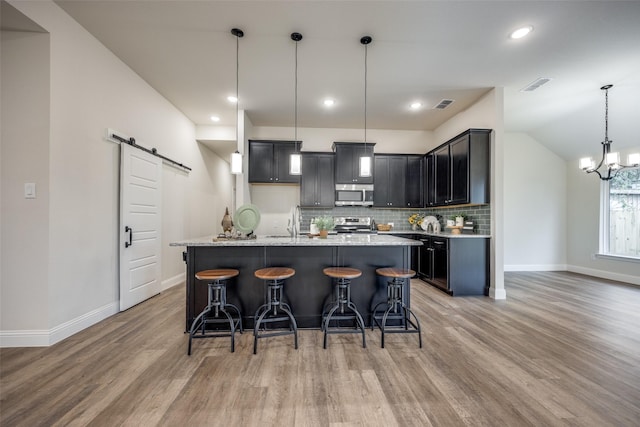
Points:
[[497, 293], [173, 281], [33, 338], [536, 267], [44, 338], [626, 278]]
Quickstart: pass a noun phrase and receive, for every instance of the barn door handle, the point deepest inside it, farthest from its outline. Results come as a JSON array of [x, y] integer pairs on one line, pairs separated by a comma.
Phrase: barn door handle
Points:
[[129, 230]]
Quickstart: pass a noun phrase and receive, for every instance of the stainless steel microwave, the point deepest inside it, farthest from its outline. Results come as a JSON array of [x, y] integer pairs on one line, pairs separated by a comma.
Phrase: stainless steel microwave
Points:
[[354, 194]]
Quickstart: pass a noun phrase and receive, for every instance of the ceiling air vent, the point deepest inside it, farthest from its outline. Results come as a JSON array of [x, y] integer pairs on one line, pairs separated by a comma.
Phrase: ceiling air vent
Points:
[[443, 104], [535, 84]]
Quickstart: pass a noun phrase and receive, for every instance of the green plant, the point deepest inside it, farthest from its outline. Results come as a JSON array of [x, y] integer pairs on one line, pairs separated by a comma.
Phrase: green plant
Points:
[[324, 222]]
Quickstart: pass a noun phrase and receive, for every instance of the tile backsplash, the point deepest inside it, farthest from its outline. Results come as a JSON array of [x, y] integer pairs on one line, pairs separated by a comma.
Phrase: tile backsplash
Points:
[[479, 214]]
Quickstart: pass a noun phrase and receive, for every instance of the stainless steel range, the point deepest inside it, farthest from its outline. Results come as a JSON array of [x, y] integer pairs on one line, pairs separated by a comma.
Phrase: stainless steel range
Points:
[[360, 225]]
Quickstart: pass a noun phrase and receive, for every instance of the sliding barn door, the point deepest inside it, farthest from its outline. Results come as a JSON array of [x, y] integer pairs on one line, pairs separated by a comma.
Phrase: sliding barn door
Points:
[[140, 245]]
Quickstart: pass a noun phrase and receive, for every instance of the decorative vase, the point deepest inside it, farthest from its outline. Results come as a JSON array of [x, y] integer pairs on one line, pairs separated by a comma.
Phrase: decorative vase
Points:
[[323, 234], [414, 227], [227, 223]]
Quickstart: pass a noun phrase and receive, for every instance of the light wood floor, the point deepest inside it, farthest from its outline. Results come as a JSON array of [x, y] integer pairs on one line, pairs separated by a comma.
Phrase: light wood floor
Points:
[[562, 350]]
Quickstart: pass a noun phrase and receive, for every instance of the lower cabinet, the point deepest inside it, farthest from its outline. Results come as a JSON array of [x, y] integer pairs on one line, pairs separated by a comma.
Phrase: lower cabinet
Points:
[[458, 266]]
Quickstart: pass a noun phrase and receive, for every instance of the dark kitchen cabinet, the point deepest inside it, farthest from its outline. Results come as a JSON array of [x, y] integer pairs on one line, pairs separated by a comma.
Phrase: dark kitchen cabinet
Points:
[[441, 176], [460, 172], [317, 188], [389, 183], [429, 180], [458, 266], [269, 161], [415, 183], [398, 181], [347, 163]]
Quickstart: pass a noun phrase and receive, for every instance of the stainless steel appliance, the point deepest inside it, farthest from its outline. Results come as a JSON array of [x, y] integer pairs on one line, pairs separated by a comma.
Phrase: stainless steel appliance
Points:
[[354, 194], [359, 225]]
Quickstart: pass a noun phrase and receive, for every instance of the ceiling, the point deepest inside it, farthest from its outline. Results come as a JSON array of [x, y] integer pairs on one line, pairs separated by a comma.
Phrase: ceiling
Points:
[[421, 51]]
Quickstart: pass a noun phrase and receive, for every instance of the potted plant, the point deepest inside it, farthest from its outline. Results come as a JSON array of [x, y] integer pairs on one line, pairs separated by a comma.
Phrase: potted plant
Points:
[[324, 224]]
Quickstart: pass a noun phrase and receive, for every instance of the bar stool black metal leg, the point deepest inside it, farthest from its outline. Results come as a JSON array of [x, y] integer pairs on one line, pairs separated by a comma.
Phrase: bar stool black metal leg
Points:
[[216, 308], [342, 301], [271, 312], [396, 309]]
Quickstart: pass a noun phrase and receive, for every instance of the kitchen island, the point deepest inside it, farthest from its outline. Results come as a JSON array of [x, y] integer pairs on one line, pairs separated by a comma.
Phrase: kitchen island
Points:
[[307, 290]]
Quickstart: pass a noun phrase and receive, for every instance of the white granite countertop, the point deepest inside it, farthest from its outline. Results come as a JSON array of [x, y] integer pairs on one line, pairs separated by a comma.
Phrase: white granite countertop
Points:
[[331, 240], [445, 234]]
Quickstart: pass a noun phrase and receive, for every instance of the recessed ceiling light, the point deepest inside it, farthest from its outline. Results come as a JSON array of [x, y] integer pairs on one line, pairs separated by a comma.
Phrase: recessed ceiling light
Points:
[[328, 102], [215, 118], [416, 105], [521, 32], [232, 98]]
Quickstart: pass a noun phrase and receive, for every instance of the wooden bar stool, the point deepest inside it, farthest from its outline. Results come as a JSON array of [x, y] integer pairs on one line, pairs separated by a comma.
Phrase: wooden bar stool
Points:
[[217, 305], [274, 309], [342, 301], [396, 307]]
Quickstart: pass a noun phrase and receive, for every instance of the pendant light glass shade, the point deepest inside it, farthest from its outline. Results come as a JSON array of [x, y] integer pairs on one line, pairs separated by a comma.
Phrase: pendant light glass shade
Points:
[[236, 163], [365, 161], [365, 166], [295, 164], [236, 157]]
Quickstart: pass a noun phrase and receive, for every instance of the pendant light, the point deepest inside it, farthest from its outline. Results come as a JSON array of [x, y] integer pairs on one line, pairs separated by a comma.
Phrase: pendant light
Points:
[[365, 161], [295, 160], [611, 161], [236, 158]]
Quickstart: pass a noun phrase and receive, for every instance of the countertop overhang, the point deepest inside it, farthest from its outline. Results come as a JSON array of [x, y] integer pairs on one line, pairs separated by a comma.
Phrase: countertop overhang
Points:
[[331, 240]]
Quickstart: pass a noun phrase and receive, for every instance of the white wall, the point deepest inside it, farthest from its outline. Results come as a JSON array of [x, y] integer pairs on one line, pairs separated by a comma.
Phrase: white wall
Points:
[[317, 139], [24, 155], [535, 206], [583, 225], [91, 90]]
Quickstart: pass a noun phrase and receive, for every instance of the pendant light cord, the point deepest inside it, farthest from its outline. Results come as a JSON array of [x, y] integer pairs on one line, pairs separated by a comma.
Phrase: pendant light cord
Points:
[[237, 83], [365, 94], [295, 110]]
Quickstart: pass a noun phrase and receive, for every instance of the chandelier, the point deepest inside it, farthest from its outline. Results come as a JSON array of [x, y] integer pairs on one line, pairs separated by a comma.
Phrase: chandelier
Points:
[[610, 161]]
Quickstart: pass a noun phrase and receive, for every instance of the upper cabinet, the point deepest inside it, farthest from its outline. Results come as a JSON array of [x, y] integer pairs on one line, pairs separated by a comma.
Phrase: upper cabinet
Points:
[[317, 185], [457, 172], [390, 181], [398, 181], [348, 162], [269, 161]]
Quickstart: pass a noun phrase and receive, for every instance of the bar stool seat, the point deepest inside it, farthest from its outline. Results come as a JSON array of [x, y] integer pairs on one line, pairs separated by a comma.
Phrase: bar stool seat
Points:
[[216, 305], [275, 273], [342, 301], [396, 307], [274, 309]]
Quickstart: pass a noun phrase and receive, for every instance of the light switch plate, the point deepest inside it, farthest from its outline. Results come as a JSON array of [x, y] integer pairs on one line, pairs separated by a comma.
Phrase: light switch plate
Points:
[[29, 190]]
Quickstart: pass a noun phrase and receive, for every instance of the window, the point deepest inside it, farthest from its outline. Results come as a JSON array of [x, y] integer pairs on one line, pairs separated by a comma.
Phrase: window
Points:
[[621, 215]]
